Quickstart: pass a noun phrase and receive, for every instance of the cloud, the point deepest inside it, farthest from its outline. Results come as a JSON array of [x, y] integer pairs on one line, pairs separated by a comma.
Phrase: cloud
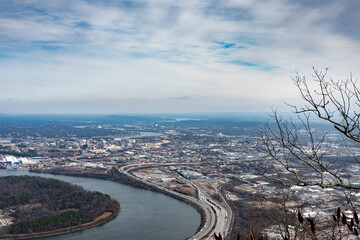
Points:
[[178, 98], [99, 50]]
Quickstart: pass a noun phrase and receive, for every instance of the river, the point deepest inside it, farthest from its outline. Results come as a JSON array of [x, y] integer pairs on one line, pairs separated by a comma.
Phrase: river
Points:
[[143, 215]]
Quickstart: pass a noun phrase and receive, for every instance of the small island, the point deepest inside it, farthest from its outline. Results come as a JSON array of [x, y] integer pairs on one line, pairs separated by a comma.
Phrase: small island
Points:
[[37, 207]]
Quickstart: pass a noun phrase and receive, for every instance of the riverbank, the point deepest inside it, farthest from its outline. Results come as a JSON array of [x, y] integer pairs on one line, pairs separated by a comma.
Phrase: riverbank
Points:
[[102, 219], [116, 176]]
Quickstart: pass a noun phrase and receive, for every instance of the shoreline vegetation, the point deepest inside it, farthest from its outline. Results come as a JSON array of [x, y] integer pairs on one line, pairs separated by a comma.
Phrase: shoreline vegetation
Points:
[[58, 207], [102, 219], [116, 176]]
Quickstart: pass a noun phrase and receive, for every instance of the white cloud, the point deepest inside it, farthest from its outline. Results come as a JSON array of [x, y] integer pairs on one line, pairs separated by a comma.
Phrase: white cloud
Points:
[[166, 49]]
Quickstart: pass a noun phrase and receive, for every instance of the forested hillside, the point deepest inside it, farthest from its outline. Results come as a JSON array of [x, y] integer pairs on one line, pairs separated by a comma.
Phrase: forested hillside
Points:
[[41, 204]]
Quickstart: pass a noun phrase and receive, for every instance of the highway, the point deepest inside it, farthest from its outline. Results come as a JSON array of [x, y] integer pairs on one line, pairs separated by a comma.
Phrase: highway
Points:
[[218, 218], [222, 211]]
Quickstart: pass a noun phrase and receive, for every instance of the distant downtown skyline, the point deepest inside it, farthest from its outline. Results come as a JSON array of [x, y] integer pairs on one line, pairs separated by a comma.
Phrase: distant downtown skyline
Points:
[[130, 56]]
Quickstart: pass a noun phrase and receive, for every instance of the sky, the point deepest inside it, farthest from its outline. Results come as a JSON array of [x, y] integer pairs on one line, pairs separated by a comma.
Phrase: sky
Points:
[[165, 56]]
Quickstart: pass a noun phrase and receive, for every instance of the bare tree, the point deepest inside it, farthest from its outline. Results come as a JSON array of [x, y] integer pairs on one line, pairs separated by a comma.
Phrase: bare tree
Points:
[[300, 150], [279, 214], [334, 101]]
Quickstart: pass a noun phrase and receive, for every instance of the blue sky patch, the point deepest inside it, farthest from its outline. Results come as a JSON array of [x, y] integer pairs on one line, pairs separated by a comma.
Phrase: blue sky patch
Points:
[[83, 25], [47, 45], [5, 56], [226, 44], [250, 64], [239, 62]]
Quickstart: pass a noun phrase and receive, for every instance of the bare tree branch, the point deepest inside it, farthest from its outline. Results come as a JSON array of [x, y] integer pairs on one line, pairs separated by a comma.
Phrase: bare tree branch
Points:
[[295, 146]]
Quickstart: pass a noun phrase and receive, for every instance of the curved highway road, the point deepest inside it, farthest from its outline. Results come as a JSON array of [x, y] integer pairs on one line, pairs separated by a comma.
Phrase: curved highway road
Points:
[[218, 218]]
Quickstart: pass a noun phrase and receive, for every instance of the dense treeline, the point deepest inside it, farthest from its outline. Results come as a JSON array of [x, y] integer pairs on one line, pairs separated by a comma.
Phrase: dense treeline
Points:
[[51, 219], [31, 153], [45, 204]]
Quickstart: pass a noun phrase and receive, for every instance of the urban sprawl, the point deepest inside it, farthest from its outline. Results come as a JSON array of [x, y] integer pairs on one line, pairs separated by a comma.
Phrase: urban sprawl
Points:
[[218, 168]]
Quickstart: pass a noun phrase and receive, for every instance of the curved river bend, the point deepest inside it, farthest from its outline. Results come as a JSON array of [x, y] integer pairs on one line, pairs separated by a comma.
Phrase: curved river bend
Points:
[[143, 215]]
